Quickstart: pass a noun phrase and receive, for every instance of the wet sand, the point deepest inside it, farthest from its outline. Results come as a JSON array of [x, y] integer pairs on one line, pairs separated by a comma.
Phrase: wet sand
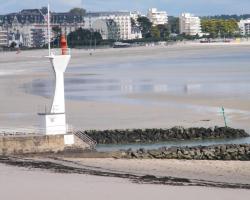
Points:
[[19, 108], [237, 109]]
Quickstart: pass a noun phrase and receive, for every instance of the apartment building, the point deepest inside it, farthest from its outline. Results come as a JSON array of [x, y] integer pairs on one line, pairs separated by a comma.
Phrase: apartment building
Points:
[[244, 26], [122, 22], [190, 24], [3, 38], [107, 28], [157, 17], [31, 25]]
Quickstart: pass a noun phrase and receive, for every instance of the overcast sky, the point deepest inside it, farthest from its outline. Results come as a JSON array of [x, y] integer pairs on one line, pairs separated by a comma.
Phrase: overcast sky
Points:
[[173, 7]]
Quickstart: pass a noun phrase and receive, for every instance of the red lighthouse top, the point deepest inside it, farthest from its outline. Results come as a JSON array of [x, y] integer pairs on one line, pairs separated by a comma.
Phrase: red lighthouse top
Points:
[[63, 44]]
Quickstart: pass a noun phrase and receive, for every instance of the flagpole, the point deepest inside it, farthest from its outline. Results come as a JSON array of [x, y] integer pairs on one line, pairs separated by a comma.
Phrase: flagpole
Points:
[[48, 22]]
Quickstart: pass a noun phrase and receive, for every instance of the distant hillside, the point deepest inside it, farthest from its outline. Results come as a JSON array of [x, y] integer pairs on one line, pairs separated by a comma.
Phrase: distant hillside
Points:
[[236, 17]]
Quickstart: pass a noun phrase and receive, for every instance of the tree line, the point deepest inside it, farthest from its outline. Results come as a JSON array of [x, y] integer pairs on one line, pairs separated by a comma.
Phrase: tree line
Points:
[[159, 32], [212, 28], [225, 17], [220, 27]]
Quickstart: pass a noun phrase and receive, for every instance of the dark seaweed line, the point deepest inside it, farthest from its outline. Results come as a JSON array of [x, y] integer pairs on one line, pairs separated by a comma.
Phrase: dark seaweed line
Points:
[[148, 179]]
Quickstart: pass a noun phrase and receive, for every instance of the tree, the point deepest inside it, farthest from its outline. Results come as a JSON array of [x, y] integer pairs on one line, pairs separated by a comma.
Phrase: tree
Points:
[[13, 45], [164, 31], [155, 32], [226, 17], [132, 22], [57, 33], [57, 30], [173, 24], [78, 11], [145, 26], [220, 27], [84, 37]]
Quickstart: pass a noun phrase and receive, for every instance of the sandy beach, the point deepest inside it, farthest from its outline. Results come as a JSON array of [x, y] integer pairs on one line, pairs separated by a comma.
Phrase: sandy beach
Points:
[[22, 73], [216, 171], [153, 87], [40, 185], [32, 183]]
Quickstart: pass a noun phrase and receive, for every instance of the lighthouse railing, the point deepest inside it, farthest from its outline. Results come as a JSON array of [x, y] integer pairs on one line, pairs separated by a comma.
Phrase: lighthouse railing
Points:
[[82, 135]]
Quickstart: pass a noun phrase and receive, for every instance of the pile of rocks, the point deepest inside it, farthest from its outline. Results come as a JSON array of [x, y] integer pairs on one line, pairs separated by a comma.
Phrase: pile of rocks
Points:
[[215, 152], [161, 135]]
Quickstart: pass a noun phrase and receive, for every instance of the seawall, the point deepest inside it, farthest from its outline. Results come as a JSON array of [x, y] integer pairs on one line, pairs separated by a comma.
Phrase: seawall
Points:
[[32, 144]]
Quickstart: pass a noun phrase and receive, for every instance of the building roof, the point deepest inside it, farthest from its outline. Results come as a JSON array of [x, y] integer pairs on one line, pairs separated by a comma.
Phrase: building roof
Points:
[[35, 16], [100, 14]]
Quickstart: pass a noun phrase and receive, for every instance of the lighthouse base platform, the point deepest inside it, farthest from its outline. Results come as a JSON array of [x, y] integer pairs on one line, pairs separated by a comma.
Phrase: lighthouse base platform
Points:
[[53, 123], [37, 144]]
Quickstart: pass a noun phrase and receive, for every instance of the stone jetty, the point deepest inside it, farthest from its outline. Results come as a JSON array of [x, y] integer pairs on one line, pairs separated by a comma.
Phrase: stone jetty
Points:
[[162, 135], [215, 152]]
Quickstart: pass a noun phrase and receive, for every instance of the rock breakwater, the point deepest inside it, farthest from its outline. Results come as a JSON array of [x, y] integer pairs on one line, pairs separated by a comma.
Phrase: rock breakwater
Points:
[[214, 152], [162, 135]]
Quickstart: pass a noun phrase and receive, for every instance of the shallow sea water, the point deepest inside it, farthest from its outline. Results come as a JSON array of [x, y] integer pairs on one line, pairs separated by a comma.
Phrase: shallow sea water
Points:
[[222, 75], [211, 75]]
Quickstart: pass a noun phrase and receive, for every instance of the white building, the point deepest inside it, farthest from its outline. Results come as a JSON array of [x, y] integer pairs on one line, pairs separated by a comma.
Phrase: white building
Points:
[[35, 34], [157, 17], [107, 28], [189, 24], [121, 19], [31, 26], [3, 37], [28, 35], [135, 15], [136, 33], [244, 26]]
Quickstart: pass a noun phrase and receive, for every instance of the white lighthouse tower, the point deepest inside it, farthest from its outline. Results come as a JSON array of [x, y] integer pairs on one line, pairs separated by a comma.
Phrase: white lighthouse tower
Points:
[[54, 121]]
